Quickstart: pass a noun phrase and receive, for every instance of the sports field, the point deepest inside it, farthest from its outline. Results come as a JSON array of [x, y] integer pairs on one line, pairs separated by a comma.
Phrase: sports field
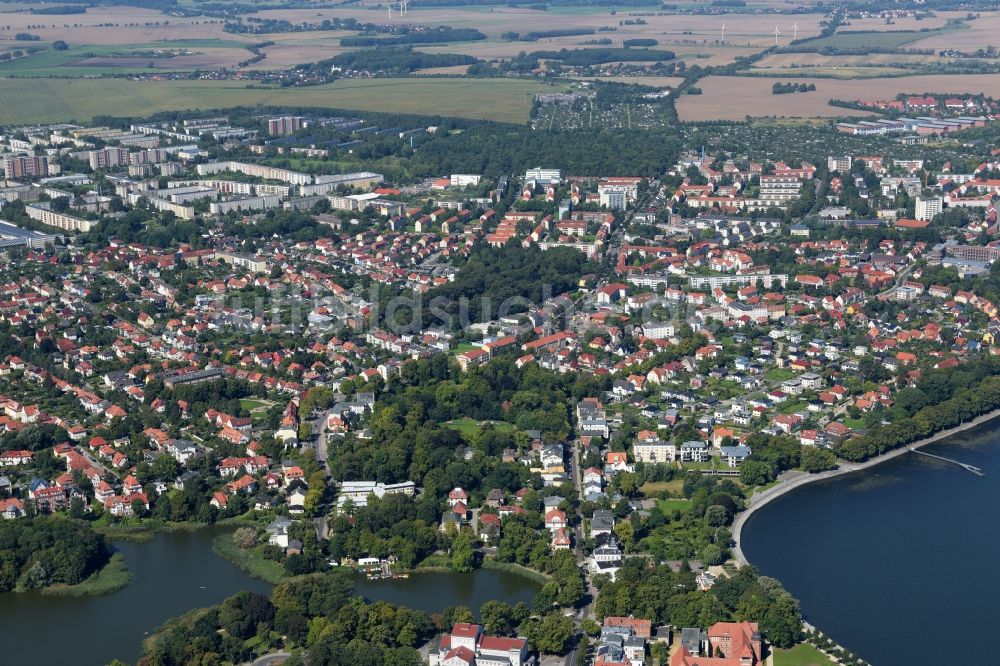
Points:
[[59, 100]]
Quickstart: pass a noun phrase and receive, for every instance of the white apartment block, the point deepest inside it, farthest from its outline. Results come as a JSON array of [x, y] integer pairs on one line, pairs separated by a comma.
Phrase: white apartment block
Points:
[[464, 179], [653, 451], [41, 213], [928, 207], [255, 170]]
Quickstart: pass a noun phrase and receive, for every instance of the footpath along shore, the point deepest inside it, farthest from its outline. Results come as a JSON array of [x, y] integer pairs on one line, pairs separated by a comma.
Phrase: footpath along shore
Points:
[[791, 480]]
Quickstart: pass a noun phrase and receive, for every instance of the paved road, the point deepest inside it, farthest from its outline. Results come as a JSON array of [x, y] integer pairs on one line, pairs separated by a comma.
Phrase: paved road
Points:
[[271, 659], [318, 425], [900, 279]]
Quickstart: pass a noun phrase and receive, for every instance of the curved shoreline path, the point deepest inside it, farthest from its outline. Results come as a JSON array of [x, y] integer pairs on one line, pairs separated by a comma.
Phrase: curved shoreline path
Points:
[[793, 479]]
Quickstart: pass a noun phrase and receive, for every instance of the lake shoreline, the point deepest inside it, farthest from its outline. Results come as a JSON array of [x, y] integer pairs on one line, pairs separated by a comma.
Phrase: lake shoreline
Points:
[[112, 577], [798, 479]]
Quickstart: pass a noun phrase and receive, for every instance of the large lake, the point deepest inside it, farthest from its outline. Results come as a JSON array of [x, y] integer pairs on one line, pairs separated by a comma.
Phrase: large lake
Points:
[[177, 572], [897, 563]]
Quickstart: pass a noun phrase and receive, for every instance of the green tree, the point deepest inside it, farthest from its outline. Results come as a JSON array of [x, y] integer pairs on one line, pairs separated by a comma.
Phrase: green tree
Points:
[[463, 555], [240, 614], [497, 617], [815, 459], [551, 634], [756, 472]]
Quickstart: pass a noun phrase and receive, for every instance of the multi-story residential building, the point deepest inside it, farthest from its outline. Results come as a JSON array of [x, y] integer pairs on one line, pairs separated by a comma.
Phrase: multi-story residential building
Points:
[[841, 164], [255, 170], [613, 197], [25, 167], [358, 491], [108, 158], [713, 281], [544, 175], [779, 188], [653, 450], [285, 125], [928, 207], [42, 213], [984, 253], [245, 203], [464, 179]]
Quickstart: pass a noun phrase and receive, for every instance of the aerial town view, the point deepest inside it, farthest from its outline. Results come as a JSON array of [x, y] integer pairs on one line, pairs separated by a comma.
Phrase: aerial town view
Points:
[[499, 332]]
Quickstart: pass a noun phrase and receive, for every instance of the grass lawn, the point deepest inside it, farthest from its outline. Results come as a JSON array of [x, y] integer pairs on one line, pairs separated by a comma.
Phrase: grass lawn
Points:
[[779, 374], [671, 505], [471, 427], [802, 654], [250, 404], [854, 424], [651, 488], [793, 406], [45, 100], [713, 463]]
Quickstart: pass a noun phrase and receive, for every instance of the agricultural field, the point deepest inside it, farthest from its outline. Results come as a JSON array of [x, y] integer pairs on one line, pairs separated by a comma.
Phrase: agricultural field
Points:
[[453, 70], [110, 25], [807, 60], [839, 72], [293, 48], [939, 20], [100, 59], [670, 30], [57, 100], [652, 81], [755, 99], [982, 32], [846, 39]]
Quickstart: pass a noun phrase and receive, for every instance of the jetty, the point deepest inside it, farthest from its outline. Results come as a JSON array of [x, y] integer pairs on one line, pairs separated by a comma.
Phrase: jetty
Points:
[[971, 468]]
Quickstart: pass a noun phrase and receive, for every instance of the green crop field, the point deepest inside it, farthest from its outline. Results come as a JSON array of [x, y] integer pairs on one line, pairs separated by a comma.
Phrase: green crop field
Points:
[[124, 59], [60, 100]]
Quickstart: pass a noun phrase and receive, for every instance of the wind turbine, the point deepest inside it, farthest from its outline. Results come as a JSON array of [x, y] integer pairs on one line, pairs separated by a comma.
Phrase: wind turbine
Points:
[[795, 31], [723, 33], [390, 12], [776, 33], [402, 4]]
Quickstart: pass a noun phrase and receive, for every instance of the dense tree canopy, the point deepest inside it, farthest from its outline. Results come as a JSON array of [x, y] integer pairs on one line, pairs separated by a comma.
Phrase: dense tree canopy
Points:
[[43, 550]]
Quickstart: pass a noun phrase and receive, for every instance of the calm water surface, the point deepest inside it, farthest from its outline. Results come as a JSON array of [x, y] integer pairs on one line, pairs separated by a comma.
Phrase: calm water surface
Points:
[[170, 575], [897, 563], [177, 572], [433, 592]]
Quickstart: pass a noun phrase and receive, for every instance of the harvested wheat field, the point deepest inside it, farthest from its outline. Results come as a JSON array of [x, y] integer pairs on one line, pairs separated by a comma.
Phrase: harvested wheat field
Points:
[[805, 60], [982, 32], [735, 98], [493, 21], [115, 25], [903, 23], [653, 81]]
